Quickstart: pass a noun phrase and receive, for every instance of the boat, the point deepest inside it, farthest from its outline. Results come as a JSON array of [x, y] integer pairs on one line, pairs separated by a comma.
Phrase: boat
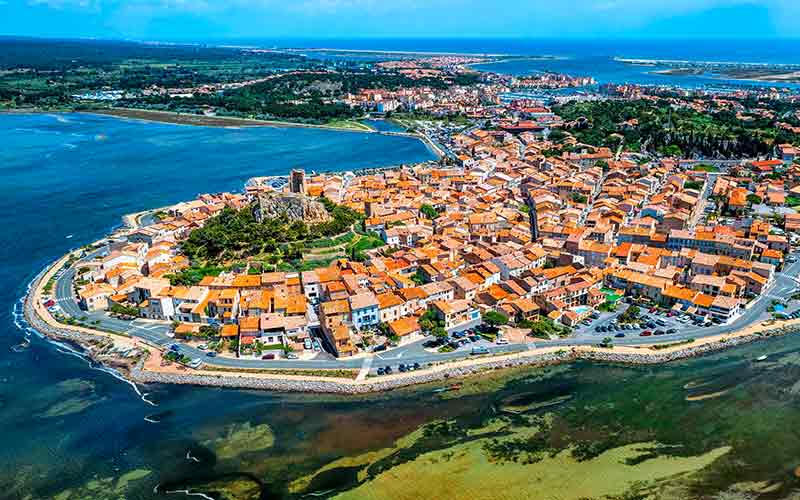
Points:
[[69, 236], [761, 358]]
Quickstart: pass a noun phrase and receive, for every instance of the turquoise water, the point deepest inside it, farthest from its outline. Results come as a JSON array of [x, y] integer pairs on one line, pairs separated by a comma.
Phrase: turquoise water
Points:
[[581, 309]]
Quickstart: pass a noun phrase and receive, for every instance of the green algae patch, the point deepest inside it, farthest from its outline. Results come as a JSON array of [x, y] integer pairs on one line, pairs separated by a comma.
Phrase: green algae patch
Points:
[[359, 461], [70, 406], [238, 439], [104, 488], [68, 397], [492, 381], [134, 475], [240, 488], [467, 469]]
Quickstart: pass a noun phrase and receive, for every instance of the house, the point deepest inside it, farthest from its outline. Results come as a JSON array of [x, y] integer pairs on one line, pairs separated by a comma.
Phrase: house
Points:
[[456, 314], [94, 296], [365, 310], [406, 329], [391, 307]]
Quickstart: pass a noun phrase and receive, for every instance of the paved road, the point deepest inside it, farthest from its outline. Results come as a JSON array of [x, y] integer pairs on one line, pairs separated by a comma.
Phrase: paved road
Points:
[[155, 332]]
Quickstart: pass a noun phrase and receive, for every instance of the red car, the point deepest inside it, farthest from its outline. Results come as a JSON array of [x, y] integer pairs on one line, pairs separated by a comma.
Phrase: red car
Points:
[[646, 333], [268, 356]]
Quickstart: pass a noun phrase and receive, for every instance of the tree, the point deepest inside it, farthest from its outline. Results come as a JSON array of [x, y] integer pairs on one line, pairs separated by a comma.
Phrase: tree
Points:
[[429, 211], [578, 198], [753, 199], [494, 319], [630, 314]]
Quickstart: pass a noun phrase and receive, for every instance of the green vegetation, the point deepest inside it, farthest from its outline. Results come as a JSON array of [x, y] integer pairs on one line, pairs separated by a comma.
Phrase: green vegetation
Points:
[[46, 73], [432, 325], [494, 319], [193, 275], [658, 347], [300, 96], [237, 234], [429, 211], [356, 250], [332, 373], [630, 315], [673, 132], [753, 199], [578, 198], [705, 168], [695, 185], [545, 329], [126, 310]]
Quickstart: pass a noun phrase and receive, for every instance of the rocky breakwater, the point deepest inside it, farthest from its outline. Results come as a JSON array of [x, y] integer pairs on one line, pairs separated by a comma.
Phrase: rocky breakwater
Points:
[[652, 356], [346, 386]]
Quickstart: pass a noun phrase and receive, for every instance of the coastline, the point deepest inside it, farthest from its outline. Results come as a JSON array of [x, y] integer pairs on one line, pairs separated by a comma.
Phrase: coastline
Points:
[[176, 118], [137, 361]]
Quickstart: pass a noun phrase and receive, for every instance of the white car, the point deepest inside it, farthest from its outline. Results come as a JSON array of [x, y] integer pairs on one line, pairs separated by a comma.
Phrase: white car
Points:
[[501, 341], [196, 363]]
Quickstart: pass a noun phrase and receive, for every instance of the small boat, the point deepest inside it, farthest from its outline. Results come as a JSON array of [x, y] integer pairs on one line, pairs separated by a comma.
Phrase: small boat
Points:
[[761, 358], [69, 236]]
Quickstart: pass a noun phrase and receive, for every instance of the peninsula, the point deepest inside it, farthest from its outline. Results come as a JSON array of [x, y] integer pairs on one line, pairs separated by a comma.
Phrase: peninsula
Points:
[[619, 223]]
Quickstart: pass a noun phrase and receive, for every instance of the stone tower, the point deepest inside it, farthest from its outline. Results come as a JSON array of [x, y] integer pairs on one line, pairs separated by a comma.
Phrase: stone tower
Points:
[[297, 181]]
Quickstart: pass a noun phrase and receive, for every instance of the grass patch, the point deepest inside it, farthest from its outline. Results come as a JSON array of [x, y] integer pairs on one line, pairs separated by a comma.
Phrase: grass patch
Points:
[[346, 374], [659, 347]]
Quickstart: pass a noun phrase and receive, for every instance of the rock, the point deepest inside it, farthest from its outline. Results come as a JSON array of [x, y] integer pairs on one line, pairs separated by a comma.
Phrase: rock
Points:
[[294, 206]]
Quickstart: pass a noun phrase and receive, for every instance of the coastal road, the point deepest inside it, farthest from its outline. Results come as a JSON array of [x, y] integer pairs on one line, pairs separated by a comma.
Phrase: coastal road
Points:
[[783, 286]]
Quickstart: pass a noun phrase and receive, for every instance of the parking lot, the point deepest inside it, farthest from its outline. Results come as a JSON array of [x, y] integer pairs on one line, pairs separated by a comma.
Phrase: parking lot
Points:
[[650, 322]]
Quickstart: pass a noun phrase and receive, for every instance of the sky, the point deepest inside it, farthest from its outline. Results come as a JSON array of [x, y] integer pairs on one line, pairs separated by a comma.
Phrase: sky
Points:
[[199, 20]]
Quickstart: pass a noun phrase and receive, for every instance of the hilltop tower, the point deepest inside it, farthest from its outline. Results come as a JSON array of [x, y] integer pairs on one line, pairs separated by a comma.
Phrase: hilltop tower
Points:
[[297, 181]]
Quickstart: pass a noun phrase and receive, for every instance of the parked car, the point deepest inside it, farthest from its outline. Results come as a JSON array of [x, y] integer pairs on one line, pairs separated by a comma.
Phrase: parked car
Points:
[[196, 363], [292, 355], [268, 356], [479, 350], [379, 348], [501, 341], [387, 370], [658, 332], [307, 344], [402, 368], [646, 333], [474, 338], [619, 335], [417, 366], [671, 331], [380, 371]]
